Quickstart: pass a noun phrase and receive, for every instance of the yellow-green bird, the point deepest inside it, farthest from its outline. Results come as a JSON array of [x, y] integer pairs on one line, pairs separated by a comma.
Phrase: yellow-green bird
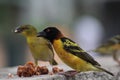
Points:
[[69, 52], [40, 47], [112, 46]]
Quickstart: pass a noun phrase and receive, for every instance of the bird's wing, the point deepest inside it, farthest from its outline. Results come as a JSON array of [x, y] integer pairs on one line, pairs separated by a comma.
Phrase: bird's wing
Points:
[[115, 39], [50, 46], [111, 42], [52, 49], [73, 48]]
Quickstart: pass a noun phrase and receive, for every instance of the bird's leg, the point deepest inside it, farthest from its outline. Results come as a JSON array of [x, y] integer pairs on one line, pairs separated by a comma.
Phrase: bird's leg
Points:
[[36, 62], [115, 57], [69, 73], [51, 67]]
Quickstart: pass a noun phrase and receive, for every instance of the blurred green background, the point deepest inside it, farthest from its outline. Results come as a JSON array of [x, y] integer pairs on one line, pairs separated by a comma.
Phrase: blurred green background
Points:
[[88, 22]]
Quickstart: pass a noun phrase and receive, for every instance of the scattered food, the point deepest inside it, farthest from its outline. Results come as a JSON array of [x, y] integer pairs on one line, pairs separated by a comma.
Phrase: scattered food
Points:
[[10, 75], [44, 70], [29, 69], [25, 71], [57, 70], [38, 70]]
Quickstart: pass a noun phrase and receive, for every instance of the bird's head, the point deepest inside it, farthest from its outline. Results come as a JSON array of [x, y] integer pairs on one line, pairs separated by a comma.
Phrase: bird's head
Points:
[[50, 33], [26, 30]]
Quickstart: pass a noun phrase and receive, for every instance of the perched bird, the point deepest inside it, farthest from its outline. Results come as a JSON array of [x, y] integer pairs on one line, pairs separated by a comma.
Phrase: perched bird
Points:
[[40, 47], [69, 52], [112, 46]]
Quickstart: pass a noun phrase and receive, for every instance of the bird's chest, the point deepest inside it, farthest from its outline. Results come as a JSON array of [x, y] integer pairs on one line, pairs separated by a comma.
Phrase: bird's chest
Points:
[[36, 43], [59, 48], [62, 53], [68, 58], [33, 43], [38, 48]]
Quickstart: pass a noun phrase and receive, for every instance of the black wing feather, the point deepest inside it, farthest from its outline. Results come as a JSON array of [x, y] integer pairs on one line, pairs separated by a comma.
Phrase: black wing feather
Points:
[[73, 48]]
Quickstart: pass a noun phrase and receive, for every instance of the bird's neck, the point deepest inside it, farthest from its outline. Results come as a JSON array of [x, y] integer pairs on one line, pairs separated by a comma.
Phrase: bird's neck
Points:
[[56, 38], [31, 39], [29, 34]]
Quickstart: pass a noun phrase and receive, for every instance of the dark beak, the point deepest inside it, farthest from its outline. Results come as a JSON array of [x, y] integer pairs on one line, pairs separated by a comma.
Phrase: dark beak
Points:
[[41, 34]]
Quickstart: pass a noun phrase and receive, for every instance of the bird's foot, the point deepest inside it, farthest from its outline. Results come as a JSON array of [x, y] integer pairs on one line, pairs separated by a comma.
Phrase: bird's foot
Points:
[[69, 73]]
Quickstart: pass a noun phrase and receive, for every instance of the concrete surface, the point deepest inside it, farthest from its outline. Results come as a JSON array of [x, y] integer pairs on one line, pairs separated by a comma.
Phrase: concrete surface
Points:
[[106, 62]]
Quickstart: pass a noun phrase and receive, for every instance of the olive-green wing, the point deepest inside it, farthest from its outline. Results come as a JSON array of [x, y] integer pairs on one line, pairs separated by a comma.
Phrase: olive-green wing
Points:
[[73, 48], [52, 49], [50, 46], [112, 41]]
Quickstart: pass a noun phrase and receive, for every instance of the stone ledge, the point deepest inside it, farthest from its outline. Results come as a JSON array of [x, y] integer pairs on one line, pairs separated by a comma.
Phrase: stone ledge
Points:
[[106, 62], [91, 75]]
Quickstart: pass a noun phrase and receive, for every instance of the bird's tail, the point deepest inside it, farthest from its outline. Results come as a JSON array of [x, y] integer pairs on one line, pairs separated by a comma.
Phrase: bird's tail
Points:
[[104, 70], [54, 62]]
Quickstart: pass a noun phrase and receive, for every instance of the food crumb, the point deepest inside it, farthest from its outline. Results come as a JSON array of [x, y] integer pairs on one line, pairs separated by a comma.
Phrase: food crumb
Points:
[[29, 69], [10, 75], [57, 70]]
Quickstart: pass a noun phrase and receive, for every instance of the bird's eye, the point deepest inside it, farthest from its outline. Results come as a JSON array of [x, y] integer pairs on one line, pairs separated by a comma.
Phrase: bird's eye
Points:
[[25, 28], [48, 30]]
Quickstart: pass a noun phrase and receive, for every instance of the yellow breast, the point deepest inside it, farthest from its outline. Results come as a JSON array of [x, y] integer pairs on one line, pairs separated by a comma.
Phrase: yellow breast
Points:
[[70, 59], [39, 48]]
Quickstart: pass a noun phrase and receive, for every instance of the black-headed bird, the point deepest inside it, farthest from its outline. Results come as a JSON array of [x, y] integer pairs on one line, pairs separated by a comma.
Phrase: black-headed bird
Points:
[[112, 46], [69, 52], [40, 47]]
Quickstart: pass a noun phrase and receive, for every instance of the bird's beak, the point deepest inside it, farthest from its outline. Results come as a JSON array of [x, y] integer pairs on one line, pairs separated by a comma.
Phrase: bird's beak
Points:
[[18, 30], [41, 34]]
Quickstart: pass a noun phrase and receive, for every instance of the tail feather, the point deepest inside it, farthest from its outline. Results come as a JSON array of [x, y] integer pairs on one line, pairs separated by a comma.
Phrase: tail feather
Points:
[[104, 70]]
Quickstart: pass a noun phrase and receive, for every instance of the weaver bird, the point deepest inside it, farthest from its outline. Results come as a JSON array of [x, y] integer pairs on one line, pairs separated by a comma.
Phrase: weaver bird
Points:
[[40, 47], [112, 46], [69, 52]]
